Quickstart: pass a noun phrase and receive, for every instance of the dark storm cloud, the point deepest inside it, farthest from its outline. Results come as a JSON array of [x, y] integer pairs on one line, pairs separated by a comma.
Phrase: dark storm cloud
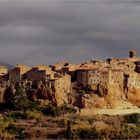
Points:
[[49, 31]]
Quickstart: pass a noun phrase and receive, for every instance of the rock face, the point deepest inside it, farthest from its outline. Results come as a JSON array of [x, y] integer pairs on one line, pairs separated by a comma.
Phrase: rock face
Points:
[[90, 101], [1, 94], [114, 98], [133, 96], [45, 93]]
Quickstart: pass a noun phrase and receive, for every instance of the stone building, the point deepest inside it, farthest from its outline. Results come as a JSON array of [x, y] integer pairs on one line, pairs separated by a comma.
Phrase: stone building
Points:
[[132, 53], [104, 77], [71, 70], [42, 67], [62, 82], [116, 77], [137, 66], [133, 80], [23, 68], [60, 86], [3, 70], [88, 77], [37, 74], [3, 73], [58, 66], [16, 75]]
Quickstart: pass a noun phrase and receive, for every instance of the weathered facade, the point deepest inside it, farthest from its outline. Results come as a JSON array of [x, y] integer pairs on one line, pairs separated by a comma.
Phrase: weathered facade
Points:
[[3, 70], [88, 77], [17, 74], [3, 73], [62, 83], [36, 75]]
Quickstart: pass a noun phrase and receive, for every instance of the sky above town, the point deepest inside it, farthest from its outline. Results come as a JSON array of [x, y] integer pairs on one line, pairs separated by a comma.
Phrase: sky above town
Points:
[[47, 31]]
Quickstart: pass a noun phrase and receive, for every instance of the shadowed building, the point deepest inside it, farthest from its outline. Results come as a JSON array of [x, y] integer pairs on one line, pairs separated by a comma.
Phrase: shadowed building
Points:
[[132, 53]]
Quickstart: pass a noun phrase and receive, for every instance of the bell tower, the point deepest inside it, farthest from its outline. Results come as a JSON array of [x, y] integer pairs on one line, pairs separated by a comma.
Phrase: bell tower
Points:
[[132, 53]]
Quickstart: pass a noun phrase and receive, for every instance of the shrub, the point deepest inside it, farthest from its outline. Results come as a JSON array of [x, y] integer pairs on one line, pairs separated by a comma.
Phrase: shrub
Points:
[[6, 106], [18, 132], [22, 103], [34, 114], [82, 92], [65, 108], [132, 118], [69, 134], [17, 115], [4, 123], [51, 110], [86, 134]]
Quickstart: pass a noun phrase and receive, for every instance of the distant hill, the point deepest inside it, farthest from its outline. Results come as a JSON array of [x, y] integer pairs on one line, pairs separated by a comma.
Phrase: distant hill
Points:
[[7, 65]]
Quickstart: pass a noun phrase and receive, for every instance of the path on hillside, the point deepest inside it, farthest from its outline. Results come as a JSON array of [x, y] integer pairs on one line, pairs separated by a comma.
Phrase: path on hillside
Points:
[[109, 111]]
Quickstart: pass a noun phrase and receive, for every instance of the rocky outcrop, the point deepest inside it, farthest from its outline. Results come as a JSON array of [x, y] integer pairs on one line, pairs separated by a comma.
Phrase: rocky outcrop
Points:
[[114, 98], [133, 96], [45, 93], [1, 94]]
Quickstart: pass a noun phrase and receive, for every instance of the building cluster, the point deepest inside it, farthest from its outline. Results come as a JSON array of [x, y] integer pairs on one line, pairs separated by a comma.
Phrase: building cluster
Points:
[[124, 73]]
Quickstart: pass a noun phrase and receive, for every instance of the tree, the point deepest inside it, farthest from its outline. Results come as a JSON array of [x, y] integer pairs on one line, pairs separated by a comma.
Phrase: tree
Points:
[[21, 102], [8, 94], [69, 134]]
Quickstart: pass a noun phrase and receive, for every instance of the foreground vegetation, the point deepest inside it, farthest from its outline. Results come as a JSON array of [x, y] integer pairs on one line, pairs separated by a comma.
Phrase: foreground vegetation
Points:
[[34, 124], [21, 118]]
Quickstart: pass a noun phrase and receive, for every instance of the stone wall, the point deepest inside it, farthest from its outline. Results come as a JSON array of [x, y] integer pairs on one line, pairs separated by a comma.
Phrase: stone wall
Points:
[[61, 87], [134, 80], [116, 77], [23, 68], [14, 75], [36, 75], [3, 70]]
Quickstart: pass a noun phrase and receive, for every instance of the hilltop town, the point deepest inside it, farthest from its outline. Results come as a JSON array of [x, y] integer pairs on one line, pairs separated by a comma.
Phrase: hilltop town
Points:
[[110, 83]]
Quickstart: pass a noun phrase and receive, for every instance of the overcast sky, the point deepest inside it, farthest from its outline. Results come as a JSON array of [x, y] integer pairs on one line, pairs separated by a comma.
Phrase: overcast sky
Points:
[[48, 31]]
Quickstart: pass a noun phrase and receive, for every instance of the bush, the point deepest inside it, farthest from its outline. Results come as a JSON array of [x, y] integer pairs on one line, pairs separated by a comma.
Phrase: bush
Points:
[[65, 108], [34, 114], [5, 122], [132, 118], [17, 115], [20, 101], [23, 103], [86, 134], [6, 106], [82, 92], [51, 110], [18, 132]]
